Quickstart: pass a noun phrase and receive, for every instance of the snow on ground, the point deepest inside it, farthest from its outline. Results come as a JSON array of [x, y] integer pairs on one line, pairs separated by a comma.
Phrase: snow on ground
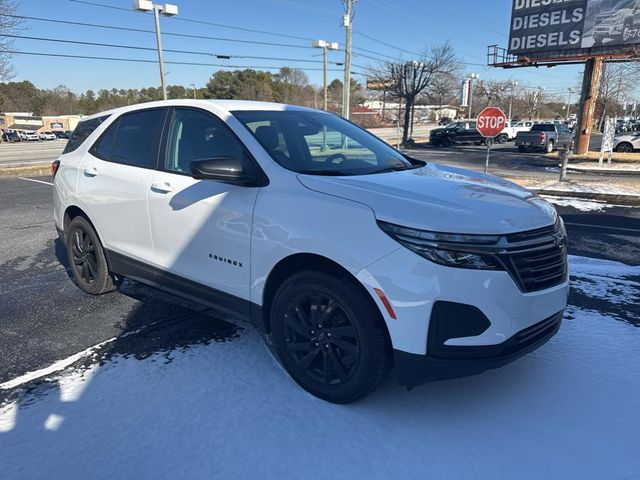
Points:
[[223, 408], [578, 204], [599, 186]]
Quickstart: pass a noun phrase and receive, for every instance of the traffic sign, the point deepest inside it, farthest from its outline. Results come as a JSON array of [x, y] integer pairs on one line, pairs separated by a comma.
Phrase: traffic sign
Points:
[[491, 122]]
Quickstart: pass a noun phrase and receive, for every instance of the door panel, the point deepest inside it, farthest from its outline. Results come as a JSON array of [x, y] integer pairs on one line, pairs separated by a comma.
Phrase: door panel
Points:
[[114, 180], [201, 229]]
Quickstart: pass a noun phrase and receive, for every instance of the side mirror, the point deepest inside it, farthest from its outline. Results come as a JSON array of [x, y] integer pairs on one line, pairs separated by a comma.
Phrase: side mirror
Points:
[[227, 169]]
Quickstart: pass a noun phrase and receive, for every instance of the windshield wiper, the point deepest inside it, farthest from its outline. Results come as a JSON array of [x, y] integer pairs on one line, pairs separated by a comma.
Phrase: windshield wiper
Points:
[[329, 173]]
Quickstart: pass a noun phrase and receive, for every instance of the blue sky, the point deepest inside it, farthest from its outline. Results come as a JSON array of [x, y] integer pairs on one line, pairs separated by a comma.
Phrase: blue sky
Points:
[[470, 25]]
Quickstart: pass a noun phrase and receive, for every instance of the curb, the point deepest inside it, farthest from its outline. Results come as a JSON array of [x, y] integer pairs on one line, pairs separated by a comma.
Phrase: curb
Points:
[[40, 170], [630, 200], [603, 172]]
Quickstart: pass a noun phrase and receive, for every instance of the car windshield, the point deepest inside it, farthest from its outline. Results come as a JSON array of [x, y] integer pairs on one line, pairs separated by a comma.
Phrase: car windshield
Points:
[[319, 143]]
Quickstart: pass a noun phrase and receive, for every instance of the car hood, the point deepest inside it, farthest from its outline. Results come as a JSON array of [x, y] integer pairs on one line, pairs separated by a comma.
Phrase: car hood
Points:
[[441, 198]]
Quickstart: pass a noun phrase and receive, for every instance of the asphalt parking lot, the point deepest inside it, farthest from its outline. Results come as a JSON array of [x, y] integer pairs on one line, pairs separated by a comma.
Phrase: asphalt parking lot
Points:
[[46, 318], [141, 384]]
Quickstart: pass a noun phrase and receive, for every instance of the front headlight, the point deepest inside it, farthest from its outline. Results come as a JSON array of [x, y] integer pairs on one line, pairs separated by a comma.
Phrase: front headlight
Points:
[[449, 249]]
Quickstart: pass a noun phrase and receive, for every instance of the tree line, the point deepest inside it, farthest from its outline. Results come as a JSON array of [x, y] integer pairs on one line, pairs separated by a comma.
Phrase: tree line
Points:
[[289, 85]]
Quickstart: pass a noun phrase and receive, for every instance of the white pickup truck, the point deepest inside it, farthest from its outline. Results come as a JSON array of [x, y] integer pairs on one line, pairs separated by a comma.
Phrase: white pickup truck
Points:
[[512, 129]]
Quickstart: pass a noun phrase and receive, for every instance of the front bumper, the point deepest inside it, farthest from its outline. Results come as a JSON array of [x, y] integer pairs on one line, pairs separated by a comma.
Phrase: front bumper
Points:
[[412, 370]]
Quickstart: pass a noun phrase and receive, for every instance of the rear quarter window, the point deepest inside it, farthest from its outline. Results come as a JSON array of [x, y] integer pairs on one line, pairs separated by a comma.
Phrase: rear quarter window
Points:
[[543, 128], [82, 132]]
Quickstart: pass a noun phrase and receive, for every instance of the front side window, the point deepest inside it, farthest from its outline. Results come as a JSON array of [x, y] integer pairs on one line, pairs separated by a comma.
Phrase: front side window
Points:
[[133, 139], [82, 132], [198, 135], [320, 143]]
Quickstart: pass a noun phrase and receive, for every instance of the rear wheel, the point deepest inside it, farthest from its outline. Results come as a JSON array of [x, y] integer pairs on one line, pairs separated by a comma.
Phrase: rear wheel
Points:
[[445, 142], [87, 260], [522, 149], [502, 138], [329, 336], [624, 147], [549, 147]]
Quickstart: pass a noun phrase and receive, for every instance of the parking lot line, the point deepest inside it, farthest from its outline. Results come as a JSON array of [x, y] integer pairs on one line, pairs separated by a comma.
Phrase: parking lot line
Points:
[[34, 180]]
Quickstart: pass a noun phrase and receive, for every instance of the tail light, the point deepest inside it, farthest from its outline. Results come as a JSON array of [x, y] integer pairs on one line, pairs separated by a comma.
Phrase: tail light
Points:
[[54, 168], [543, 136]]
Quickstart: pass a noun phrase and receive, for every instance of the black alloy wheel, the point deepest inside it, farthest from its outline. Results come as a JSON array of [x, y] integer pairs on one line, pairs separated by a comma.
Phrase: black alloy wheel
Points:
[[83, 256], [321, 338], [330, 336], [88, 263]]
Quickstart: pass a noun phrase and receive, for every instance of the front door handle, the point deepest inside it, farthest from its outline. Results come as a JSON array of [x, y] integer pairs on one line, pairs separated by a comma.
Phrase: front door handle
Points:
[[91, 172], [163, 187]]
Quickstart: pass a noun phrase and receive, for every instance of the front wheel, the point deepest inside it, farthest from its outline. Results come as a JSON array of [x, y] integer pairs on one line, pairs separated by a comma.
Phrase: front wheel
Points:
[[329, 336], [87, 260]]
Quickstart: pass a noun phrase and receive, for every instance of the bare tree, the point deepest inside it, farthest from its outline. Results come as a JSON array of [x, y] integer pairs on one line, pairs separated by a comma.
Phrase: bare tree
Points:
[[407, 80], [617, 82], [9, 25]]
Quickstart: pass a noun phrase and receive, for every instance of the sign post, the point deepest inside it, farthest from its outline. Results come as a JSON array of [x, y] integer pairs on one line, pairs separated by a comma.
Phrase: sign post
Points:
[[491, 122], [607, 139]]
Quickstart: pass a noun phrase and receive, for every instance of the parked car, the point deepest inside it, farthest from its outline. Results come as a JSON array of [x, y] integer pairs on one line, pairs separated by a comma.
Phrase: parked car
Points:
[[545, 136], [349, 260], [47, 136], [60, 134], [10, 137], [512, 129], [29, 136], [626, 143], [458, 132]]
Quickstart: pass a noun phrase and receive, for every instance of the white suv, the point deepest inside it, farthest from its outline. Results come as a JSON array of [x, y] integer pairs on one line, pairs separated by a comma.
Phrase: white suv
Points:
[[350, 256]]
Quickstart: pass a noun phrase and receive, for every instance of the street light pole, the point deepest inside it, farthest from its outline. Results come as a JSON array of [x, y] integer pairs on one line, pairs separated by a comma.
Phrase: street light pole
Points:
[[157, 9], [324, 45], [193, 85]]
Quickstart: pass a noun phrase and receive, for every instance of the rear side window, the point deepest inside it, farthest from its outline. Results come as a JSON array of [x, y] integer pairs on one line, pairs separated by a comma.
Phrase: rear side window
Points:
[[82, 131], [133, 139], [542, 127]]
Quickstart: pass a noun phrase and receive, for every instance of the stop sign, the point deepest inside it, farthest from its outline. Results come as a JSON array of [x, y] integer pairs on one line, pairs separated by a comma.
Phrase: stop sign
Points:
[[491, 122]]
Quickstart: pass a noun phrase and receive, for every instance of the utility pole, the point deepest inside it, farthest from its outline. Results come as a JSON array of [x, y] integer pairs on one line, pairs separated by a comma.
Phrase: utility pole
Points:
[[513, 84], [324, 45], [539, 100], [347, 21], [157, 9], [569, 103], [588, 98], [473, 76]]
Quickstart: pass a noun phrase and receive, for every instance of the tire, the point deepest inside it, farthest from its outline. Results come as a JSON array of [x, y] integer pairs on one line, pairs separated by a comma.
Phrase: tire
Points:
[[549, 147], [624, 147], [522, 149], [87, 261], [340, 356], [445, 142], [502, 138]]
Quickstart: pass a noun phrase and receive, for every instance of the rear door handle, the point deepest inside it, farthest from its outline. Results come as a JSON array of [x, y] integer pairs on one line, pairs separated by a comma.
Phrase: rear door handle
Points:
[[163, 187], [91, 172]]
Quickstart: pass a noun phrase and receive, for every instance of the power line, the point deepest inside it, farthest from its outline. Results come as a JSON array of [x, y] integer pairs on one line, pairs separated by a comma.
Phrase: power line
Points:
[[141, 30], [153, 49], [138, 60], [387, 44], [233, 27], [202, 22]]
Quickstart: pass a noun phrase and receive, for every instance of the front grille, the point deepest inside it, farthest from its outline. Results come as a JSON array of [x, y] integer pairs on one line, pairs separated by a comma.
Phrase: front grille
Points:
[[537, 259]]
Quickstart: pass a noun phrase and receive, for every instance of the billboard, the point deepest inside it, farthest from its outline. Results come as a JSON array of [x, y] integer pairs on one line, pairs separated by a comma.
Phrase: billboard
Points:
[[573, 26]]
